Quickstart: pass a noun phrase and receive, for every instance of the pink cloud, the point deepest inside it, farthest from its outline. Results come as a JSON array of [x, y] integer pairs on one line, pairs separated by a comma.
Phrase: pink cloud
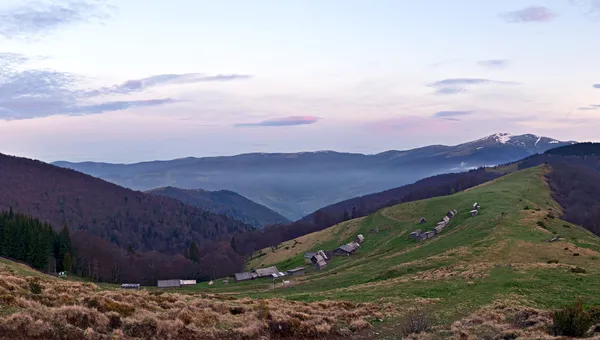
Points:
[[283, 121]]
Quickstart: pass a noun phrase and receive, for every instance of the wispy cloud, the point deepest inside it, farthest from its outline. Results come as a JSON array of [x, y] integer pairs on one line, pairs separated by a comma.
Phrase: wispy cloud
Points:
[[589, 107], [451, 115], [596, 86], [32, 93], [117, 106], [33, 19], [284, 121], [529, 14], [494, 63], [138, 85], [460, 85]]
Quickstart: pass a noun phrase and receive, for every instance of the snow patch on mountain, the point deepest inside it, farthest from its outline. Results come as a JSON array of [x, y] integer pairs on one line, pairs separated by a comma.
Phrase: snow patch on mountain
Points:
[[502, 138]]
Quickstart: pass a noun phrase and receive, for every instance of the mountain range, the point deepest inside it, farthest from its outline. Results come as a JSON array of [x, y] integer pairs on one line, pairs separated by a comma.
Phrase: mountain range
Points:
[[297, 184]]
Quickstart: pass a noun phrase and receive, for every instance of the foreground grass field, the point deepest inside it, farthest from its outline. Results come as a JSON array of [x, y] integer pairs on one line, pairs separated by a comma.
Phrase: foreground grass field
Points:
[[476, 276]]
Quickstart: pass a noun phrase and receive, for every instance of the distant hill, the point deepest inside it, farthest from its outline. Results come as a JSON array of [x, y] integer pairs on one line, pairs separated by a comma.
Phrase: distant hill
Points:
[[224, 202], [106, 219], [297, 184]]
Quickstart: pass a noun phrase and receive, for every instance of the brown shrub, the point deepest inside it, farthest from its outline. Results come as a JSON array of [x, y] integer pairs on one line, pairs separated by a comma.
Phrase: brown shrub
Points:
[[263, 310], [114, 320], [359, 324], [415, 321], [7, 300], [80, 317], [145, 328]]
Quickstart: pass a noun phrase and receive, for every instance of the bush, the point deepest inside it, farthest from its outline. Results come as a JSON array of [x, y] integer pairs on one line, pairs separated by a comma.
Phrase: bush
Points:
[[575, 254], [566, 226], [578, 270], [552, 261], [416, 321], [35, 287], [526, 207], [541, 224], [263, 310], [574, 320]]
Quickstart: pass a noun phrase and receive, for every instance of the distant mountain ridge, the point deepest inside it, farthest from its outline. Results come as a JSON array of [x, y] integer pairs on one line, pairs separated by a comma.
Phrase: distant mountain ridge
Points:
[[224, 202], [297, 184]]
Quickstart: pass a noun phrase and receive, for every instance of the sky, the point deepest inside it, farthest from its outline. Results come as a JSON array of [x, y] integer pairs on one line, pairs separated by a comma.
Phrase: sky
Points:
[[132, 80]]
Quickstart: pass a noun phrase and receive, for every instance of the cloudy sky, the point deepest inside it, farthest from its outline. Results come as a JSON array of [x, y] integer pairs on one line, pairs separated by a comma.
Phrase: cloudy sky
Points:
[[133, 80]]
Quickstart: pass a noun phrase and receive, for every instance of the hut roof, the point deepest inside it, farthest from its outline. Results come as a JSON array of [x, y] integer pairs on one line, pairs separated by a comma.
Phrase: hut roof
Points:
[[297, 269], [187, 282], [130, 285], [262, 272], [350, 247], [309, 255], [243, 276]]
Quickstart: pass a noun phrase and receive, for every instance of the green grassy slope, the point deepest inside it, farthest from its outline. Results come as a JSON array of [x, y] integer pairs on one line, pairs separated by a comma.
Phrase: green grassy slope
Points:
[[502, 253]]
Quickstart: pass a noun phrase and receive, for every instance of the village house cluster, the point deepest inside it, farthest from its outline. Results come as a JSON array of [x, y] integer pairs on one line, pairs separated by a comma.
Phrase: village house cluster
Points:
[[421, 236], [318, 259]]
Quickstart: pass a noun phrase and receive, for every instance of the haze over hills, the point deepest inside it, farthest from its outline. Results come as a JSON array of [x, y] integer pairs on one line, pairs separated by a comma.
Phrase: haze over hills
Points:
[[224, 202], [297, 184]]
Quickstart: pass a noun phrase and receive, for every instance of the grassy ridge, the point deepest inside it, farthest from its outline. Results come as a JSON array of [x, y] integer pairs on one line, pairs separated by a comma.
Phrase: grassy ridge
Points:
[[503, 252]]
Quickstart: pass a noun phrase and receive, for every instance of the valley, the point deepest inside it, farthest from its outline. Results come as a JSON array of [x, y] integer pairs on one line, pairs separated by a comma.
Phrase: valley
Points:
[[488, 267], [297, 184]]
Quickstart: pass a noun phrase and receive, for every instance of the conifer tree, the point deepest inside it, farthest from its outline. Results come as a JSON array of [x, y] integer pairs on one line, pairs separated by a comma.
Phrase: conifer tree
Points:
[[194, 252]]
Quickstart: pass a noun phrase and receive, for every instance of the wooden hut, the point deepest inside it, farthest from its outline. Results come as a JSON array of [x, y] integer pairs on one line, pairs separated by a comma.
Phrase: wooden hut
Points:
[[346, 249], [359, 238], [474, 212], [187, 282], [297, 271], [168, 283], [245, 276], [130, 286], [264, 272]]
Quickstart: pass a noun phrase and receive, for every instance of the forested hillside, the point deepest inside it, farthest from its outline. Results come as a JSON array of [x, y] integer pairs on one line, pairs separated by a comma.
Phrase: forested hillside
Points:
[[117, 230], [36, 243], [224, 202]]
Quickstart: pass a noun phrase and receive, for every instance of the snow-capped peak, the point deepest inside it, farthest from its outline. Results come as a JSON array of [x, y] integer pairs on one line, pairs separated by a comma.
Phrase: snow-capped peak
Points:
[[502, 138]]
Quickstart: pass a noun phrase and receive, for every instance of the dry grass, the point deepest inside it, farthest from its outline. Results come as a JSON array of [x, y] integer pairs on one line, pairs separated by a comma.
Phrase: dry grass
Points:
[[71, 310], [506, 319]]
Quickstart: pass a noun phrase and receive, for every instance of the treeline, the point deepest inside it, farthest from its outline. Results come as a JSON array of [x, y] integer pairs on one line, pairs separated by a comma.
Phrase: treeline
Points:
[[579, 149], [577, 189], [439, 185], [36, 243]]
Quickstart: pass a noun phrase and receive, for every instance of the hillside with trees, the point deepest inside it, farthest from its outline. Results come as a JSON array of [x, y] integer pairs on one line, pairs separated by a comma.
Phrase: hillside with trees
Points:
[[113, 227], [29, 240], [224, 202]]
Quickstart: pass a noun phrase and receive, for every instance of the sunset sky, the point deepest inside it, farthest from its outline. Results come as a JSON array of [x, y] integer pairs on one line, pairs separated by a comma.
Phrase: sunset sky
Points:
[[133, 80]]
